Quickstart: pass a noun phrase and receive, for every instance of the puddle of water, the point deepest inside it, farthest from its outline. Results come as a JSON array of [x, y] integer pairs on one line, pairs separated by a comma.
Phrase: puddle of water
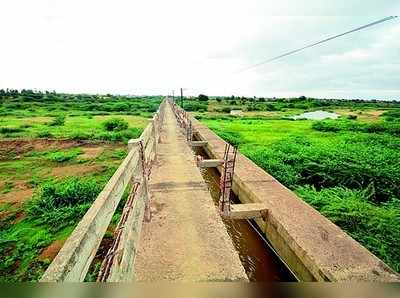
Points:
[[316, 115], [258, 259]]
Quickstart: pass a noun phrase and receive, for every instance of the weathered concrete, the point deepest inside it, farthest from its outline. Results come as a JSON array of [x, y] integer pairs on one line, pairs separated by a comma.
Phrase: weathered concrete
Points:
[[248, 211], [210, 163], [312, 246], [198, 143], [75, 257], [122, 266], [186, 239]]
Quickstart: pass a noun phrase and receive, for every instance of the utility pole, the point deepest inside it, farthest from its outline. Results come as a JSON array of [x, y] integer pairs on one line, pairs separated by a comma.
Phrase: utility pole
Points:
[[173, 95], [181, 98]]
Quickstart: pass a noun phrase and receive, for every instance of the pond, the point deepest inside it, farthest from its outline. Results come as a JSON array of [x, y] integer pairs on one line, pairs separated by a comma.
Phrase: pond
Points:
[[316, 115]]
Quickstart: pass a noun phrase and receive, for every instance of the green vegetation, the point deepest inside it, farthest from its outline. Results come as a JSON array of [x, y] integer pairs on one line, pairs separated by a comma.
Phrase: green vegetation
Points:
[[348, 169], [375, 227], [61, 203], [27, 103], [58, 121], [57, 155], [392, 128], [55, 209], [115, 124], [63, 148]]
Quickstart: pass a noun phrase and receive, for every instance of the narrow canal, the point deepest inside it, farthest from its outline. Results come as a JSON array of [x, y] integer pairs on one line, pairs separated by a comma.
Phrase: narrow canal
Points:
[[258, 259]]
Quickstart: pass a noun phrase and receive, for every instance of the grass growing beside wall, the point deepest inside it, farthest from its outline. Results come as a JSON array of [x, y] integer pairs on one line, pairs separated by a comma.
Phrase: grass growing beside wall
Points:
[[347, 169], [57, 151]]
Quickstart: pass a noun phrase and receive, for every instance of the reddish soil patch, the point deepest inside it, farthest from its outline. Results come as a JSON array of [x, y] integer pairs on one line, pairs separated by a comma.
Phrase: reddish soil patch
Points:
[[50, 252], [75, 170], [91, 152], [18, 217], [19, 194], [17, 147]]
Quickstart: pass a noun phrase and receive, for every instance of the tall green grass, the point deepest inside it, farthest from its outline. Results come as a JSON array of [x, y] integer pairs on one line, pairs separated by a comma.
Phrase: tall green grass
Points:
[[55, 209], [349, 172], [374, 226], [392, 128]]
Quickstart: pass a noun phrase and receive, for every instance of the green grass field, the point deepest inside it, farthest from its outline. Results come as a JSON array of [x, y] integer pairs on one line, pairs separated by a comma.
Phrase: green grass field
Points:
[[348, 169], [57, 151]]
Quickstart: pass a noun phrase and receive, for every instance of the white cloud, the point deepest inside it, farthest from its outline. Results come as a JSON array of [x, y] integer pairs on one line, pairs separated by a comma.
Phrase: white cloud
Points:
[[153, 46]]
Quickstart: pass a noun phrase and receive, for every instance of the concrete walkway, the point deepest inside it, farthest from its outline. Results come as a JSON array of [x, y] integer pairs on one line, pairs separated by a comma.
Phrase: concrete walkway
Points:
[[186, 239]]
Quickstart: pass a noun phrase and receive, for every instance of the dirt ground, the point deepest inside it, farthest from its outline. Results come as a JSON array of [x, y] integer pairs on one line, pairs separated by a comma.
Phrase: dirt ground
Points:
[[50, 252], [18, 195], [91, 152], [74, 170]]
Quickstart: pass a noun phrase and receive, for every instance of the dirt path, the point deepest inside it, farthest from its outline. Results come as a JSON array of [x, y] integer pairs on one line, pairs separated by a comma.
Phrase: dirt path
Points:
[[186, 238]]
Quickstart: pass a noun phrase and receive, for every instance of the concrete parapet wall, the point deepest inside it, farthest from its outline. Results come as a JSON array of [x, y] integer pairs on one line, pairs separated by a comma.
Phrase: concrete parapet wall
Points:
[[314, 248]]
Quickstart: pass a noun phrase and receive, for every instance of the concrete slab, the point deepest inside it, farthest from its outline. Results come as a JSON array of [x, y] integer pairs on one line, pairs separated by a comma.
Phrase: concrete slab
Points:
[[248, 211], [186, 239], [210, 163]]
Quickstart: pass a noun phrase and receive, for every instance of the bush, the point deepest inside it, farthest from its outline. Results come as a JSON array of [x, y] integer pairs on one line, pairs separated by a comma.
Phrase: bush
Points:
[[8, 129], [203, 97], [44, 134], [194, 106], [326, 126], [119, 136], [356, 165], [63, 156], [115, 124], [375, 227], [391, 115], [224, 110], [392, 128], [58, 121], [56, 201]]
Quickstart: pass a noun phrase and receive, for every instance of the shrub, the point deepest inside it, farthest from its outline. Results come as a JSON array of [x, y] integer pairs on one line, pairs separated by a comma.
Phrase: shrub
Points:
[[119, 136], [326, 126], [8, 129], [224, 110], [355, 165], [352, 117], [82, 136], [391, 115], [392, 128], [203, 97], [44, 134], [63, 156], [115, 124], [271, 107], [58, 121], [194, 106], [57, 203]]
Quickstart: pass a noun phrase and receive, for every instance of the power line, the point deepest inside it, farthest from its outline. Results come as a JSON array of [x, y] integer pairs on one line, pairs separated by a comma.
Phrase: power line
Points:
[[317, 43]]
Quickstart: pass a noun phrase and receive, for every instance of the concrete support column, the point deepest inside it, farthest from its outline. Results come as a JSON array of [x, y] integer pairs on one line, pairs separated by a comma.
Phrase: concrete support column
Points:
[[133, 143]]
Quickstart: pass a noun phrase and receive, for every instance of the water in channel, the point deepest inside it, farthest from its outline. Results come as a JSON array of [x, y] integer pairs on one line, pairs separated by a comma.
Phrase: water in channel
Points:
[[258, 259]]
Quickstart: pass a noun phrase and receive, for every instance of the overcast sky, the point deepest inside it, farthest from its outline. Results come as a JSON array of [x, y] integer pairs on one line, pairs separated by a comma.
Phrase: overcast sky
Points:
[[152, 47]]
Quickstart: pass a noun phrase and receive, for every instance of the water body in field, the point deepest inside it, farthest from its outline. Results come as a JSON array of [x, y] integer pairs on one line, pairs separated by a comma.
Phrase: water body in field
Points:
[[316, 115]]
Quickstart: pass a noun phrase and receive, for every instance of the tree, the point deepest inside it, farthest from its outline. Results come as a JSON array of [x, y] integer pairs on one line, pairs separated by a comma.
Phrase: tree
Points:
[[203, 97]]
